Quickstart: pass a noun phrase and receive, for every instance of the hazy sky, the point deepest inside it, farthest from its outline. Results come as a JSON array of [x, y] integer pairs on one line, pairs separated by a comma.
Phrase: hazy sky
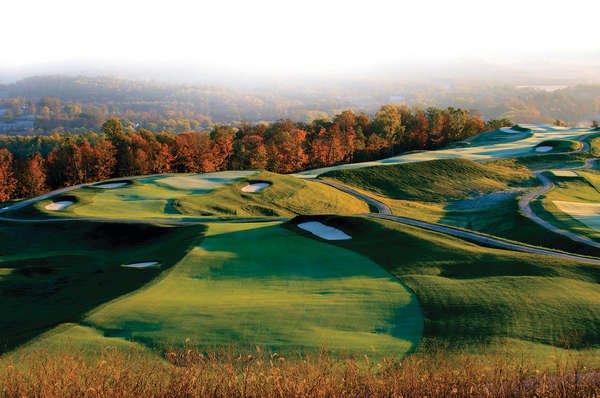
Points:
[[300, 36]]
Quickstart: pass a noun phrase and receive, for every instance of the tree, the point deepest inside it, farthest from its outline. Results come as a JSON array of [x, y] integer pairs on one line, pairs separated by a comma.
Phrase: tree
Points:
[[7, 182], [495, 124], [388, 125], [113, 131], [31, 176], [595, 124], [560, 123]]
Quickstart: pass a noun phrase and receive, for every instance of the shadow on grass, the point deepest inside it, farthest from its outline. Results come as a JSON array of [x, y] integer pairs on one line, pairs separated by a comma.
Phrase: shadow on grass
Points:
[[55, 273]]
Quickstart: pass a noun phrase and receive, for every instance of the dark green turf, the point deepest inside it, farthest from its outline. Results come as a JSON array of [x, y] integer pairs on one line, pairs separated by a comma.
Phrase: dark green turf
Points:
[[54, 273], [472, 294]]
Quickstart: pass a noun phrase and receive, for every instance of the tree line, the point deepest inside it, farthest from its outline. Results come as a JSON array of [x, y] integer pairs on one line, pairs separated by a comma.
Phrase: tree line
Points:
[[282, 147]]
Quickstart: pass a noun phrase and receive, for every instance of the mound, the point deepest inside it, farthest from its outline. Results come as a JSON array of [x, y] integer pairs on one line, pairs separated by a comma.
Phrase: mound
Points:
[[431, 181], [558, 146], [287, 196]]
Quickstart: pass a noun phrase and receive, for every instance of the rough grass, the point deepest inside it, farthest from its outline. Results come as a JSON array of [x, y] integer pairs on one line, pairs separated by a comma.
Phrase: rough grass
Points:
[[231, 373], [432, 181], [472, 294], [54, 273], [262, 284]]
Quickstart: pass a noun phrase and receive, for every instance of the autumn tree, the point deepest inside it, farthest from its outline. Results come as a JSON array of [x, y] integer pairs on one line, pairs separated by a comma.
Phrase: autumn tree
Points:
[[7, 181], [31, 176], [388, 125]]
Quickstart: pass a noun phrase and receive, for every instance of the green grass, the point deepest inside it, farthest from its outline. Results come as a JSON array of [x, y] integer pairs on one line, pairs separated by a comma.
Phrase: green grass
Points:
[[212, 197], [473, 295], [594, 141], [537, 162], [485, 198], [493, 137], [583, 189], [262, 284], [560, 145], [432, 181], [286, 197], [54, 273]]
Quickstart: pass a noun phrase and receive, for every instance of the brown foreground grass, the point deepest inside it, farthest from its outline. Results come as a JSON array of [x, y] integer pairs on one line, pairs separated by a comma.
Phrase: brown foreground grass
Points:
[[226, 373]]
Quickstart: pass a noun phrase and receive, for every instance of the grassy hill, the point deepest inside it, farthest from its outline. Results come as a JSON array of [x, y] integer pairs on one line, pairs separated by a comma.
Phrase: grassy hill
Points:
[[560, 145], [481, 197], [194, 197], [432, 181], [473, 295]]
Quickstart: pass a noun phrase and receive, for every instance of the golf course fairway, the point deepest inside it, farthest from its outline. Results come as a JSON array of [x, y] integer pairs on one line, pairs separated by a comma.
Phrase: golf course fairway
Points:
[[264, 284]]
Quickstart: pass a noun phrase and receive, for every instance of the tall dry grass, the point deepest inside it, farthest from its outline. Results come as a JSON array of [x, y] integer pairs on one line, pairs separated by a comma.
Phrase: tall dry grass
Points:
[[231, 373]]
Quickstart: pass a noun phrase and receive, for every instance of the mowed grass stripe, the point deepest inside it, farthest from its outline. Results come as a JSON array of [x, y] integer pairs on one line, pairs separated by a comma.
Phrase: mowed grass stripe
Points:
[[259, 284]]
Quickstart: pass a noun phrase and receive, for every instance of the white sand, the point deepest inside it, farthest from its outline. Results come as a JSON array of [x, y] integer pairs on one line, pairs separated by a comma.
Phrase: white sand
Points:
[[323, 231], [255, 187], [141, 265], [509, 130], [564, 173], [110, 185], [543, 148], [59, 205]]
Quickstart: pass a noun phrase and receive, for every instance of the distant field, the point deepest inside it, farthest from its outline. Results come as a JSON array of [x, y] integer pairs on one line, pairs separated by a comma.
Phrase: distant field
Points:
[[489, 146]]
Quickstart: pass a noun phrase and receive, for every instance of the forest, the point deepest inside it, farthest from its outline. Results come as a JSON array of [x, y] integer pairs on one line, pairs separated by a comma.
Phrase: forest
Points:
[[45, 105], [32, 165]]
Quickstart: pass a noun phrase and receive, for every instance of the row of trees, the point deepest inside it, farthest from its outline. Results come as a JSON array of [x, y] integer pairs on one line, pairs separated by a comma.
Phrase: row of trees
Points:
[[282, 147]]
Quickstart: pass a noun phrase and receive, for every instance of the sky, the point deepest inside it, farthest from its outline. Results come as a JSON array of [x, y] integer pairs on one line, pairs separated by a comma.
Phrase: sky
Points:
[[310, 37]]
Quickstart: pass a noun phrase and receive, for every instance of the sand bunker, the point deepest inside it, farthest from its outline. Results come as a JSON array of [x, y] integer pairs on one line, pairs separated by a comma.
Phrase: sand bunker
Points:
[[141, 265], [323, 231], [59, 205], [543, 149], [564, 173], [509, 130], [110, 185], [255, 187]]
